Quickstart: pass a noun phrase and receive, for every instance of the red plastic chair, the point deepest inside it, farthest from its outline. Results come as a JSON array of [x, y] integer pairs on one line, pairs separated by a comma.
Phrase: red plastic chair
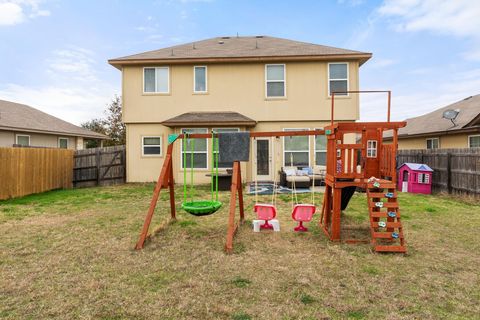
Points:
[[302, 213], [265, 212]]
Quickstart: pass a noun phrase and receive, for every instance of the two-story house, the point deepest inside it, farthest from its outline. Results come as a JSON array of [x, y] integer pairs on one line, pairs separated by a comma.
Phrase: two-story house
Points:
[[257, 83]]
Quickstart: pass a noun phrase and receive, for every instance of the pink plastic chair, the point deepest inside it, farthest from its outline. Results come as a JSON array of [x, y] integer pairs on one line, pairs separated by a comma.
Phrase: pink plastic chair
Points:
[[302, 213], [265, 212]]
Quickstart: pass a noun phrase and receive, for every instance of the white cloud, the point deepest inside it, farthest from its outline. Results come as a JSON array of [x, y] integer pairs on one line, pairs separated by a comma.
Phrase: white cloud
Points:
[[75, 91], [10, 14], [460, 18], [14, 12]]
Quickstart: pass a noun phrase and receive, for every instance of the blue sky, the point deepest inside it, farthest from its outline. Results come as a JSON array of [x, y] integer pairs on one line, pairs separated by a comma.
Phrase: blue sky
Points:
[[53, 53]]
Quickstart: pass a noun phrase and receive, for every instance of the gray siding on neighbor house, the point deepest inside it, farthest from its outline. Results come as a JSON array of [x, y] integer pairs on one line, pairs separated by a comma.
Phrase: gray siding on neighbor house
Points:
[[7, 139]]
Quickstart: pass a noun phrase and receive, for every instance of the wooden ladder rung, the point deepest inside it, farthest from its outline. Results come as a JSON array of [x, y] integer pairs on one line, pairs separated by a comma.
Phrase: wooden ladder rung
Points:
[[381, 195], [386, 235], [389, 224], [390, 205], [402, 249]]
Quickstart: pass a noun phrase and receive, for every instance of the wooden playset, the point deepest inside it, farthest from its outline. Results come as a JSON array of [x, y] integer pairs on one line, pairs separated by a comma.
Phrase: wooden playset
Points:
[[367, 164]]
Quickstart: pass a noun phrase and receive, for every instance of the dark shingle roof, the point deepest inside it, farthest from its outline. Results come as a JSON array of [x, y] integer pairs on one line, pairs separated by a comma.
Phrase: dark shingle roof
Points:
[[433, 122], [256, 48], [20, 117], [209, 119]]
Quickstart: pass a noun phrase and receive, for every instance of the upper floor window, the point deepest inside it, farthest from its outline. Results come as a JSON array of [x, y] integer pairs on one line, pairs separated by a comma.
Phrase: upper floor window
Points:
[[371, 148], [156, 80], [23, 140], [474, 141], [433, 143], [275, 80], [199, 79], [63, 143], [338, 78]]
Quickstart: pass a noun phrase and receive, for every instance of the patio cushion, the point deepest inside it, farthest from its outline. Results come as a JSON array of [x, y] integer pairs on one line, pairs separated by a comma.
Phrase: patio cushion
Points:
[[298, 178], [319, 170]]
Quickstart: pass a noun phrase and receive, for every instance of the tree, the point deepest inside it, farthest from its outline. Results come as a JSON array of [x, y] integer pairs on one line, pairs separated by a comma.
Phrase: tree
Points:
[[111, 125]]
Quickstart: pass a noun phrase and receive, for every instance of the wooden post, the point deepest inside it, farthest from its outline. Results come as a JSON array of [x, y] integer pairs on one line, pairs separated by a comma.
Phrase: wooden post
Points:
[[162, 181], [449, 172], [171, 185], [240, 194], [233, 202], [97, 162], [337, 198]]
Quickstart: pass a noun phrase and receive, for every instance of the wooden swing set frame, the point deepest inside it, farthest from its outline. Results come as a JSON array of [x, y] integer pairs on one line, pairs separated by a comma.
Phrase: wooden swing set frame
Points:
[[335, 179]]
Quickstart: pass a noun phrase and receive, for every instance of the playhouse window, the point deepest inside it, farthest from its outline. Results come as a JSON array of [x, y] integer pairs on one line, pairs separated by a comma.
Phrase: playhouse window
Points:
[[296, 148], [474, 141], [423, 178], [200, 150], [320, 150], [275, 80], [433, 143], [371, 148], [220, 130], [338, 78], [151, 146], [156, 80]]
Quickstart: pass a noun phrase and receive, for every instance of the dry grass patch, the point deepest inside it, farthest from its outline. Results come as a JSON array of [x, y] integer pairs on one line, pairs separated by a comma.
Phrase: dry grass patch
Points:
[[69, 254]]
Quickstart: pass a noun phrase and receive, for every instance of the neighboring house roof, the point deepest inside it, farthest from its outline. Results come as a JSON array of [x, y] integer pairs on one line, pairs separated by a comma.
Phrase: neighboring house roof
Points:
[[20, 117], [241, 49], [468, 119], [210, 119], [417, 166]]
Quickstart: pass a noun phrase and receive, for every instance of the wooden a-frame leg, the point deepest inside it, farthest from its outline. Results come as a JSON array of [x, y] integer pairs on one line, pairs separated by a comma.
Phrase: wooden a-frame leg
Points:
[[233, 202], [171, 185], [162, 182], [240, 195]]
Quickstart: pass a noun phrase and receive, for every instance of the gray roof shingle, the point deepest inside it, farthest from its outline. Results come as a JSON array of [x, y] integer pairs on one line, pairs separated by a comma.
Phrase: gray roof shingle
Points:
[[433, 122], [209, 118], [20, 117], [231, 48]]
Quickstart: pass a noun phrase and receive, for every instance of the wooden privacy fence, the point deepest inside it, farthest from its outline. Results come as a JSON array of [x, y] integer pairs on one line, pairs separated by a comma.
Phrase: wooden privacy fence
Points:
[[99, 166], [25, 171], [456, 171]]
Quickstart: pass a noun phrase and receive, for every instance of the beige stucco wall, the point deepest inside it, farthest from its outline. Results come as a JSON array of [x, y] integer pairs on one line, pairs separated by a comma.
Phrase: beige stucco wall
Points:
[[147, 168], [240, 87], [8, 138], [446, 141]]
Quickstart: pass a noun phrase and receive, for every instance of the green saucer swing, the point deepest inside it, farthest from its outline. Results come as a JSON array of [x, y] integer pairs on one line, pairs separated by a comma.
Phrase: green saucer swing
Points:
[[200, 207]]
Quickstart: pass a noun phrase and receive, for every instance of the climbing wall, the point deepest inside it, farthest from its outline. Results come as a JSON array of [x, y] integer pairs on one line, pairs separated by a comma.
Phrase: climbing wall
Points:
[[385, 220]]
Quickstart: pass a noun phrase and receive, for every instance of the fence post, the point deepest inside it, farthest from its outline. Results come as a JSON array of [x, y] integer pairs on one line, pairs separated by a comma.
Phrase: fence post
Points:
[[449, 172], [97, 162]]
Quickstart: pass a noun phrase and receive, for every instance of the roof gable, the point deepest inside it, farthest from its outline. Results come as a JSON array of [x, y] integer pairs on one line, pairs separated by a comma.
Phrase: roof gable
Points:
[[231, 48]]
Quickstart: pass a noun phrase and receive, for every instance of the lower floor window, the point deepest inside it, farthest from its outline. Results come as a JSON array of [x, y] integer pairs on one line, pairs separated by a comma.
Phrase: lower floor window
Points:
[[152, 146], [474, 141], [199, 154], [296, 150], [320, 150], [23, 140], [433, 143], [63, 143]]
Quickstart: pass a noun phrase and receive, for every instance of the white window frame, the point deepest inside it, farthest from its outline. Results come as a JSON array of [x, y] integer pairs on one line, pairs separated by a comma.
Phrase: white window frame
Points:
[[432, 139], [230, 128], [284, 81], [206, 79], [286, 164], [423, 178], [181, 151], [319, 150], [372, 151], [23, 135], [63, 138], [152, 145], [472, 136], [348, 77], [156, 90]]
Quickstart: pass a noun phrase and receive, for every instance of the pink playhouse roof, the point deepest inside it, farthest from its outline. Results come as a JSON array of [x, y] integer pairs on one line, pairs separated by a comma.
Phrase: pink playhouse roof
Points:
[[417, 166]]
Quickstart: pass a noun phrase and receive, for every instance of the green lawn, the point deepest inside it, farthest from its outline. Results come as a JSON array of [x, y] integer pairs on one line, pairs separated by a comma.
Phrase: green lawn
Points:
[[69, 254]]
